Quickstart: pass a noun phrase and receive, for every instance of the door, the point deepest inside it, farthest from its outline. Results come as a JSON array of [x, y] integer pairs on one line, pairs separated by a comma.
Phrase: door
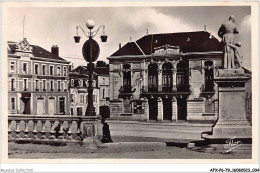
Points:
[[40, 106], [182, 108], [61, 105], [79, 111], [167, 109], [153, 109], [51, 106], [104, 111], [27, 105]]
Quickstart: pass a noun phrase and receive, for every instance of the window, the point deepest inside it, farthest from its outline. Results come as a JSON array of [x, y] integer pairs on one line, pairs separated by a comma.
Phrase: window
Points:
[[12, 84], [126, 78], [62, 86], [58, 85], [182, 77], [25, 84], [94, 98], [81, 98], [25, 70], [209, 76], [51, 70], [58, 71], [12, 66], [71, 111], [52, 87], [167, 77], [37, 85], [72, 82], [12, 103], [71, 98], [153, 78], [43, 69], [64, 71], [36, 68], [65, 86], [104, 93], [137, 106], [44, 85], [80, 83]]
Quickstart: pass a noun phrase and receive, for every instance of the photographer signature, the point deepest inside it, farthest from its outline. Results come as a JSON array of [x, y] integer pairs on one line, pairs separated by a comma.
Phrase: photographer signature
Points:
[[232, 144]]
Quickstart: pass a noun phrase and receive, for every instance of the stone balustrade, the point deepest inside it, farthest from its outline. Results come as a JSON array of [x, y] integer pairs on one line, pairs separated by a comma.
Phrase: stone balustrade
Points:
[[47, 128]]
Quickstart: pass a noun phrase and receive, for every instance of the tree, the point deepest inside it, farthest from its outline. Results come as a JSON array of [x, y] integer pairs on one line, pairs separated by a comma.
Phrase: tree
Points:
[[101, 64]]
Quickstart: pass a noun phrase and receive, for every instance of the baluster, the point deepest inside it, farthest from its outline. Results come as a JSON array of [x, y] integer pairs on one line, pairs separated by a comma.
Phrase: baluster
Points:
[[78, 131], [26, 131], [61, 132], [43, 132], [17, 130], [35, 128], [52, 132], [69, 132]]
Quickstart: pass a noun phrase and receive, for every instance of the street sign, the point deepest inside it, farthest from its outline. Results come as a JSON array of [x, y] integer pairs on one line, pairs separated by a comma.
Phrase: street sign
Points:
[[90, 50]]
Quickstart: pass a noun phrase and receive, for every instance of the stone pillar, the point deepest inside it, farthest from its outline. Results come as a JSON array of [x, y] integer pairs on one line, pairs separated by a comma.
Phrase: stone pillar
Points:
[[160, 109], [174, 72], [174, 110], [90, 132], [232, 115]]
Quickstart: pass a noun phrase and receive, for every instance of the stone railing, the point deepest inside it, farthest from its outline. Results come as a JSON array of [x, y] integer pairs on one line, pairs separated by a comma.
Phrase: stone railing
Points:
[[50, 128]]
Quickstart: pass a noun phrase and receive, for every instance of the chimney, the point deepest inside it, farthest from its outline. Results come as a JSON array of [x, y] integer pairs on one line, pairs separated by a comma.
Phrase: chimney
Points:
[[119, 45], [55, 50]]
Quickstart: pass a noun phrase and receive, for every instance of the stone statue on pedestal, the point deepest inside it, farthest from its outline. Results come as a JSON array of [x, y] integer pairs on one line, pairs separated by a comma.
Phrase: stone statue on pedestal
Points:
[[226, 32]]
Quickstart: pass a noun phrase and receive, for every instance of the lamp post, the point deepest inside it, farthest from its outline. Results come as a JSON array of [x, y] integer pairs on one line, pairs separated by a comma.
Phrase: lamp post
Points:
[[90, 51]]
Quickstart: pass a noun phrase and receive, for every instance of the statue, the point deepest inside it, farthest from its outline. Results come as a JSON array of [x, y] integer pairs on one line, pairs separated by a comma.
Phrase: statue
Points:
[[226, 32], [238, 59]]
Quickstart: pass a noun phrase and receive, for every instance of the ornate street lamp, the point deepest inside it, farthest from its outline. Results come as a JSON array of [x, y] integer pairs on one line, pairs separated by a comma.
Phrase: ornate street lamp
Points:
[[90, 51]]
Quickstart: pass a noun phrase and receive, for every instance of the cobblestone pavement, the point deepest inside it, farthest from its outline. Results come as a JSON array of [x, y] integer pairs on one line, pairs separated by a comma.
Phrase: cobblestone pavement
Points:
[[123, 147]]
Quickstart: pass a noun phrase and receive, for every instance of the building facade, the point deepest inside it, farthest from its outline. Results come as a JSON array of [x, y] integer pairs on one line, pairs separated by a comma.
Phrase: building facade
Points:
[[37, 80], [166, 77], [78, 99]]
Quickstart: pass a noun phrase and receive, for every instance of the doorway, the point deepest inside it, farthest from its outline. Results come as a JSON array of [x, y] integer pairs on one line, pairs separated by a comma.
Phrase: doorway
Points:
[[182, 108], [153, 109], [27, 105], [167, 109], [51, 106], [40, 106], [62, 105]]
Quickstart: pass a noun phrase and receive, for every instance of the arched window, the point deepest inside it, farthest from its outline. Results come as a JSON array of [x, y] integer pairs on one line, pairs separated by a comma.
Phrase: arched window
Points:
[[153, 78], [127, 78], [167, 77], [209, 76], [182, 82]]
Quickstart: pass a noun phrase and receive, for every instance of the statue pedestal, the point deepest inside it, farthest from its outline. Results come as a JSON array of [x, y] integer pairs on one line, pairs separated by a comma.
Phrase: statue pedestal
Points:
[[232, 122], [90, 135]]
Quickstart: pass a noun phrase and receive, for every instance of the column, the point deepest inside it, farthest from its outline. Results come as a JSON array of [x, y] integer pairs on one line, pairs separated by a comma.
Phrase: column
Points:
[[174, 110], [174, 71], [160, 109]]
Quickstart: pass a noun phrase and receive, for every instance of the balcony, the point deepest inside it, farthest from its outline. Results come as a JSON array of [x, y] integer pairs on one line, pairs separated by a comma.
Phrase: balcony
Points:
[[37, 89], [126, 91], [12, 89], [44, 89]]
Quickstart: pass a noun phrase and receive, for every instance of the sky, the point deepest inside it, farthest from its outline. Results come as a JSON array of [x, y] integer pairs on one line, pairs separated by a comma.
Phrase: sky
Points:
[[47, 26]]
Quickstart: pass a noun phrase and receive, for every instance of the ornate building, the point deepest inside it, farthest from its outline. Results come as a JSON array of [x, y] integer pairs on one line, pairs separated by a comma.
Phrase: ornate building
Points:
[[37, 80], [166, 77]]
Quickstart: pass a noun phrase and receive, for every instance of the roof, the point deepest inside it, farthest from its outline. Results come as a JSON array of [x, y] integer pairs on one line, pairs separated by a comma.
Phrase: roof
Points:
[[201, 41], [36, 50]]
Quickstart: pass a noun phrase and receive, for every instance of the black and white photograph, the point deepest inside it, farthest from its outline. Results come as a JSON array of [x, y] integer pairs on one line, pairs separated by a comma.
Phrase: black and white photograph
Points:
[[110, 81]]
